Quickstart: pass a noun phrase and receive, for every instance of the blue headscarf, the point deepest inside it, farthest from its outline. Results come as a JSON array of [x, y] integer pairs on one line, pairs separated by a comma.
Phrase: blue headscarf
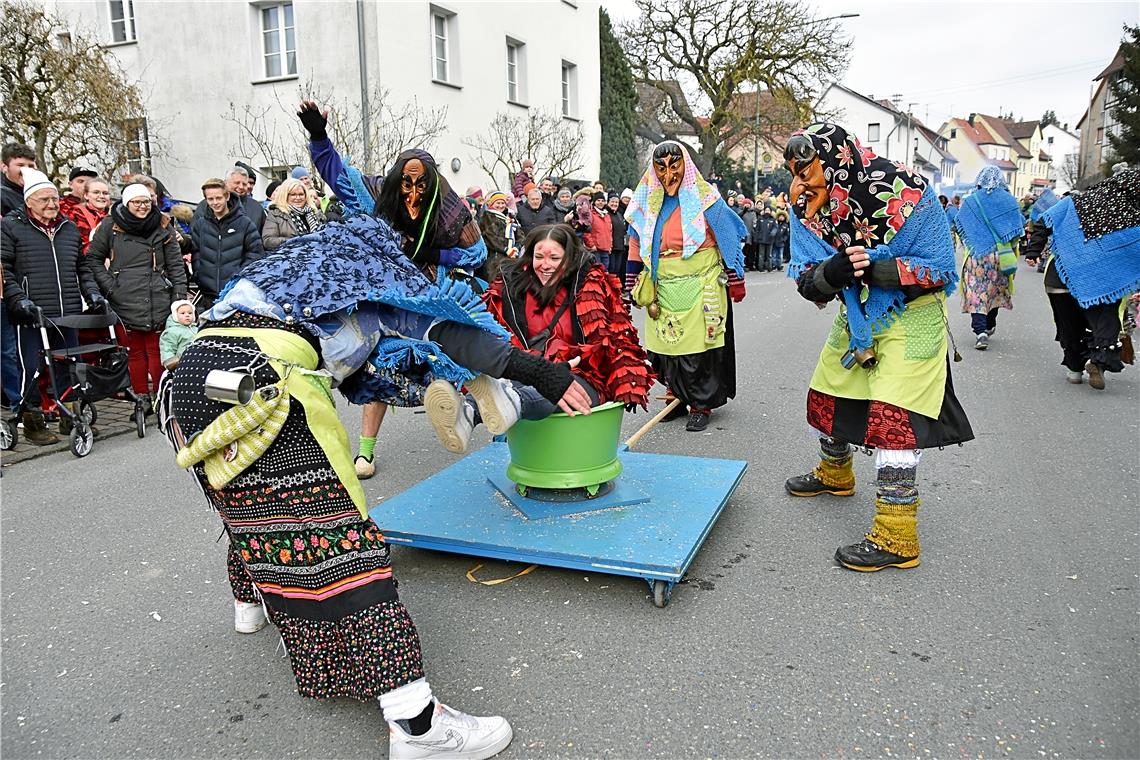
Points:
[[990, 215]]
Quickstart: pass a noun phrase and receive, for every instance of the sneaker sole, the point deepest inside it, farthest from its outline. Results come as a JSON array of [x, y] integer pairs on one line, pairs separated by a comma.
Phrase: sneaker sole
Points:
[[848, 492], [444, 405], [483, 753], [868, 569], [491, 399]]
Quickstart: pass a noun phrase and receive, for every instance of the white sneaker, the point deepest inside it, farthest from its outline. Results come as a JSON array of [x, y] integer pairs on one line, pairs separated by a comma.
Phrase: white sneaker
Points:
[[249, 617], [983, 342], [365, 467], [450, 415], [453, 735], [1076, 378], [499, 405]]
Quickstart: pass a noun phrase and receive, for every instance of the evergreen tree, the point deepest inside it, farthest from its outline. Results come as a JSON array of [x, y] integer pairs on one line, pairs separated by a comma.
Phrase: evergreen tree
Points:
[[1125, 89], [617, 114], [1049, 117]]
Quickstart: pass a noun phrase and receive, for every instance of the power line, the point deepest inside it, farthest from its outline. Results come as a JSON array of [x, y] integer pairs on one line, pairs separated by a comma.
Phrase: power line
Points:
[[1019, 78]]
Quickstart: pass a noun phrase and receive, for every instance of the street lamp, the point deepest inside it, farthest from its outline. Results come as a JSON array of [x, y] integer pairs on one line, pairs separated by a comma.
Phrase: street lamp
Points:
[[756, 108]]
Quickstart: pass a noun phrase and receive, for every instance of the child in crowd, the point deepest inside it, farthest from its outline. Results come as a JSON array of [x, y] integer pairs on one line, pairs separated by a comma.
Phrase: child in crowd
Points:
[[180, 330]]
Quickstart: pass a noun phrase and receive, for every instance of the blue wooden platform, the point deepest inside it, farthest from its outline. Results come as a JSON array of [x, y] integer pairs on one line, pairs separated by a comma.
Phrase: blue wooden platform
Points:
[[460, 510]]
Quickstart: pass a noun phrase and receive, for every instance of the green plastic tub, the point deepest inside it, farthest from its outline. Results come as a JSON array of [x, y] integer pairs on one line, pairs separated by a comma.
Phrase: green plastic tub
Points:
[[566, 452]]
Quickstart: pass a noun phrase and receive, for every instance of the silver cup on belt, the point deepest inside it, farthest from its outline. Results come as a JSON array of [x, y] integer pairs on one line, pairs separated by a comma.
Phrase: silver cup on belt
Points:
[[229, 386]]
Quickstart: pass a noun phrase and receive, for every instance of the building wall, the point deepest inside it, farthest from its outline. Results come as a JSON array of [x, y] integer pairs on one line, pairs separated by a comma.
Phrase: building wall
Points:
[[195, 59], [1094, 143], [970, 160], [857, 115], [1062, 147]]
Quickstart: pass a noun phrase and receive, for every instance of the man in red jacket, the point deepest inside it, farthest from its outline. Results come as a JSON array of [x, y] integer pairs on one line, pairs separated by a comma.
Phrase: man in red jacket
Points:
[[599, 239]]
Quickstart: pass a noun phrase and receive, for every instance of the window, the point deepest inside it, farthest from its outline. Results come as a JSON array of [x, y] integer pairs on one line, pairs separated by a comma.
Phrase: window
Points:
[[122, 20], [872, 133], [953, 133], [444, 46], [278, 173], [516, 72], [278, 41], [569, 90], [512, 73], [138, 146]]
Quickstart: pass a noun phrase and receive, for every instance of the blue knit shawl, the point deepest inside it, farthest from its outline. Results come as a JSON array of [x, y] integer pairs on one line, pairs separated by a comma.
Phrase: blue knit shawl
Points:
[[923, 244], [1044, 202], [1101, 270], [1005, 220]]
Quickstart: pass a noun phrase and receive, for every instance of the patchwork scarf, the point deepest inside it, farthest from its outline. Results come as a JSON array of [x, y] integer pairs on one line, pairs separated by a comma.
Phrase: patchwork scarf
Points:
[[1099, 264], [696, 196], [886, 208], [990, 215]]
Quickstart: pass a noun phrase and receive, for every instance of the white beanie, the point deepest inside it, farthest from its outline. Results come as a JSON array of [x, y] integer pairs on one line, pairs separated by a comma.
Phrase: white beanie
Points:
[[137, 190], [174, 307], [627, 193], [35, 180]]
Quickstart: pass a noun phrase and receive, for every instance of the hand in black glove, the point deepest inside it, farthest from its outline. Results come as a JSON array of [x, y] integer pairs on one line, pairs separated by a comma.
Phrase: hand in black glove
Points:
[[97, 301], [313, 120], [25, 312], [839, 271], [632, 408]]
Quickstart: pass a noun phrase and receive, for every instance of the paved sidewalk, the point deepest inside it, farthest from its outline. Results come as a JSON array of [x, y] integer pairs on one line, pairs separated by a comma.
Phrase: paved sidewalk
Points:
[[112, 418]]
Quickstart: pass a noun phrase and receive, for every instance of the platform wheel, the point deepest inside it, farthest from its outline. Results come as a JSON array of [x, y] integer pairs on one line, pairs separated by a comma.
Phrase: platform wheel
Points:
[[82, 439], [140, 420], [662, 590], [88, 412], [9, 435]]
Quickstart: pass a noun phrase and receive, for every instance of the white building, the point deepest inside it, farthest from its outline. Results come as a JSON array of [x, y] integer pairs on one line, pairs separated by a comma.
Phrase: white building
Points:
[[1065, 148], [890, 133], [199, 61]]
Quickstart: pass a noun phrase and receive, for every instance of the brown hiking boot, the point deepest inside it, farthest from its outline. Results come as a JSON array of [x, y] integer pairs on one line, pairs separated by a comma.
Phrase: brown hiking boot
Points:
[[36, 430]]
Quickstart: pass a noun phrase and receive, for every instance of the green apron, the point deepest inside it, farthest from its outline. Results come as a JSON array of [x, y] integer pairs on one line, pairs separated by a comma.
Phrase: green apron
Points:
[[911, 372], [693, 302]]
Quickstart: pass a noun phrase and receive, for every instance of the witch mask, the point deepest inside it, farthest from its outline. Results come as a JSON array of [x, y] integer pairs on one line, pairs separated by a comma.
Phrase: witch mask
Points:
[[413, 187], [809, 185], [670, 169]]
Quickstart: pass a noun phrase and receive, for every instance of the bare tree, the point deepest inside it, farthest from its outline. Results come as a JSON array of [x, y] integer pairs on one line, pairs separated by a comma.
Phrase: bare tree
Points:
[[1068, 171], [65, 96], [700, 54], [274, 133], [553, 143]]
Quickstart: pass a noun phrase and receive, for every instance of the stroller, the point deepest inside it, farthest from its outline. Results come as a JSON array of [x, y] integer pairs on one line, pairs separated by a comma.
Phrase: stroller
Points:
[[93, 372]]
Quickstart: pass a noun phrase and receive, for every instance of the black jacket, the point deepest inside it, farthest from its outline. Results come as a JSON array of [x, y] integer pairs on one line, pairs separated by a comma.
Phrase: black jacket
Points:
[[140, 276], [11, 195], [529, 218], [47, 270], [620, 230], [222, 247], [766, 228], [253, 209]]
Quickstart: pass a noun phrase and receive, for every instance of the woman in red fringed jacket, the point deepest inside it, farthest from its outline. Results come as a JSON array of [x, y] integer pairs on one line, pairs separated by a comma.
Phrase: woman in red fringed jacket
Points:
[[559, 303]]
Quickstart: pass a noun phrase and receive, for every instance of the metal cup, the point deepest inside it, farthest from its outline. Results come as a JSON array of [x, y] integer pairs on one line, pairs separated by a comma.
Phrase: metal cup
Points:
[[229, 387]]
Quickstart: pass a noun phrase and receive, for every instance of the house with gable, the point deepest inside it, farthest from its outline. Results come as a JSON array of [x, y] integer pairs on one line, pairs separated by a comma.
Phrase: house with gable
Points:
[[1036, 169], [1065, 149], [891, 133], [1099, 121], [976, 146], [1021, 181]]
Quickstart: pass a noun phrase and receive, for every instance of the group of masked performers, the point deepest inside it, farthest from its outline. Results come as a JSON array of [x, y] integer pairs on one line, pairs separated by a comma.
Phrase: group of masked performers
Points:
[[381, 308]]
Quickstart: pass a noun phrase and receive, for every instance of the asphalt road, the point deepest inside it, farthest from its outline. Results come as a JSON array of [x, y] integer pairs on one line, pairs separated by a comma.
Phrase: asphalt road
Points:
[[1017, 636]]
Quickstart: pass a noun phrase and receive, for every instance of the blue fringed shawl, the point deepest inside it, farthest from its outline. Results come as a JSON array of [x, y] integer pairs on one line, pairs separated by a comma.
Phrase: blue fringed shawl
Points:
[[1101, 270], [1002, 211], [1044, 202], [924, 246]]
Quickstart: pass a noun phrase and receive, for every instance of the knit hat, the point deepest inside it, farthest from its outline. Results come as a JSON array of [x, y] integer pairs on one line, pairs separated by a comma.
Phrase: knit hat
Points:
[[598, 196], [271, 188], [174, 307], [298, 172], [474, 192], [528, 187], [34, 180], [130, 192], [79, 171], [496, 195], [627, 193]]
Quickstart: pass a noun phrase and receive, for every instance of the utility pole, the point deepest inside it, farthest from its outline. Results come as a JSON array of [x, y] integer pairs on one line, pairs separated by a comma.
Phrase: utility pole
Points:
[[365, 110]]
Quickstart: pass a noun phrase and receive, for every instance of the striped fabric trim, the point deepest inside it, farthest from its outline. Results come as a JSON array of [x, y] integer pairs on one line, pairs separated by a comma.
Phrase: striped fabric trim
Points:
[[319, 594]]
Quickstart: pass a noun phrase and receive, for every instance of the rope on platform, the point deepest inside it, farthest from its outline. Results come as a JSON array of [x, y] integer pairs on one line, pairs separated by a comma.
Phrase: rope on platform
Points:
[[471, 576]]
